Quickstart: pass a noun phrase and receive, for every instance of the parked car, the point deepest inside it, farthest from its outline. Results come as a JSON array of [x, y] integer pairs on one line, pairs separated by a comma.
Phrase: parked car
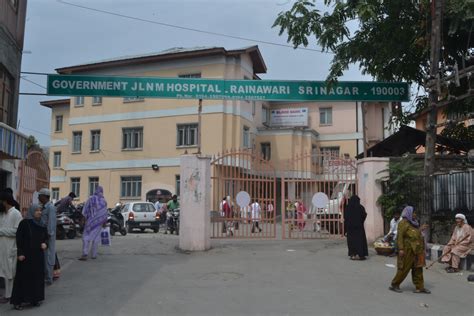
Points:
[[141, 215]]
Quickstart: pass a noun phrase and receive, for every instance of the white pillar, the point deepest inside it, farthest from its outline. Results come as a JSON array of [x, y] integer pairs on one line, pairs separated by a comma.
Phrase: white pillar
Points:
[[369, 190], [195, 202]]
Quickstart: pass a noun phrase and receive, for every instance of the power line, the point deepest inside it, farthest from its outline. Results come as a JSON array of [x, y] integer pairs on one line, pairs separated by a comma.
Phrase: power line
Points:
[[191, 29]]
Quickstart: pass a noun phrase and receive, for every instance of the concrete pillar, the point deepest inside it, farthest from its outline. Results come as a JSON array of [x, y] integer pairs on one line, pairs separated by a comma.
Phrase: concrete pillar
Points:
[[369, 190], [195, 202]]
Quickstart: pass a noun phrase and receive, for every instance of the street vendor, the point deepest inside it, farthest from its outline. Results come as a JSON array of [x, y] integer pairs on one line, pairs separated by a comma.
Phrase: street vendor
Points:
[[391, 237]]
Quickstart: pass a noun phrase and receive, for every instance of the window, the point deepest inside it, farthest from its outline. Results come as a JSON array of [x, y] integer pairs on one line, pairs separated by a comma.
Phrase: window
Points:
[[59, 123], [79, 101], [76, 186], [266, 151], [329, 152], [57, 159], [325, 116], [246, 137], [93, 184], [187, 135], [6, 97], [178, 184], [132, 138], [96, 100], [95, 140], [55, 194], [191, 75], [143, 208], [131, 187], [76, 142], [314, 154], [265, 115], [133, 99]]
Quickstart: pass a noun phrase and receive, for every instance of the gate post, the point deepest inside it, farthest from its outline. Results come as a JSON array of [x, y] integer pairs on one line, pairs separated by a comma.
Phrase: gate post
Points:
[[369, 190], [195, 223]]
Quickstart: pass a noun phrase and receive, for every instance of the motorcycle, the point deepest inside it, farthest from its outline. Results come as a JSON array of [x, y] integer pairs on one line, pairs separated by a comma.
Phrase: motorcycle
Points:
[[65, 227], [172, 221], [116, 221], [75, 214]]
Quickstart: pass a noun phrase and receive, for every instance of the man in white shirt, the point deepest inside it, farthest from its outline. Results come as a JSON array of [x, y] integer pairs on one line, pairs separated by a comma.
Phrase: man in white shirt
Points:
[[392, 234], [158, 205], [10, 218]]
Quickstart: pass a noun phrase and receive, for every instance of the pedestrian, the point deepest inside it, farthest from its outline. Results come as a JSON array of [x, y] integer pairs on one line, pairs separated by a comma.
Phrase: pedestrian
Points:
[[66, 202], [300, 215], [95, 213], [158, 205], [15, 203], [228, 214], [31, 240], [270, 210], [256, 211], [48, 219], [10, 218], [459, 246], [391, 237], [411, 252], [354, 218]]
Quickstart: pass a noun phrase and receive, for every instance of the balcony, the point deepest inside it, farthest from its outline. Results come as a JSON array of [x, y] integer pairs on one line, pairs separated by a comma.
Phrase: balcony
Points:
[[12, 143]]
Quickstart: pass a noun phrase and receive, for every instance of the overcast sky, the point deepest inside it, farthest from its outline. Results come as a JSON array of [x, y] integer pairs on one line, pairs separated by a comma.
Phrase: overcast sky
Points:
[[60, 35]]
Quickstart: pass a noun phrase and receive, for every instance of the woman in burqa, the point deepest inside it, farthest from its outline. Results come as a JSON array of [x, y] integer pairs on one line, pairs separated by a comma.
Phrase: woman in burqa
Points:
[[354, 218], [31, 240]]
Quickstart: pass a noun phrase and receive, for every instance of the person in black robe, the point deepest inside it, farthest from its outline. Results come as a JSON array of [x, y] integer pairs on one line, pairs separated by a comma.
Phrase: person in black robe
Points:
[[31, 240], [354, 218]]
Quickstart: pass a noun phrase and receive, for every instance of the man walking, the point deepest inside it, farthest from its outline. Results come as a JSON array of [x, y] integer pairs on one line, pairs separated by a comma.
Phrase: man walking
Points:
[[48, 219], [10, 218]]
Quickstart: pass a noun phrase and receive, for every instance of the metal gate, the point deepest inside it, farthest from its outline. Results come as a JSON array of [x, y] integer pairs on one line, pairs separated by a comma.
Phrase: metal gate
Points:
[[34, 175], [302, 177], [241, 170]]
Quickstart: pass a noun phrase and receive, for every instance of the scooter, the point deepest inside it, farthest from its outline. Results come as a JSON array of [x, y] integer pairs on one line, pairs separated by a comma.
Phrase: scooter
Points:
[[116, 221], [172, 221], [65, 227]]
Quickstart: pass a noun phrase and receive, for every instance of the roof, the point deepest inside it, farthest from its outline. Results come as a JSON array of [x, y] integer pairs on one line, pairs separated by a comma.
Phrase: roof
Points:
[[407, 140], [51, 103], [170, 54]]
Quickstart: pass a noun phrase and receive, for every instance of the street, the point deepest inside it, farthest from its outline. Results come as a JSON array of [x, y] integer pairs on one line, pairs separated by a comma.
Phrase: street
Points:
[[145, 274]]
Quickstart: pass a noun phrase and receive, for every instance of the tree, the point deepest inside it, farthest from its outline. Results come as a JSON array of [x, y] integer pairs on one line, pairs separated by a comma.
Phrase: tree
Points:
[[32, 143], [390, 42], [398, 185]]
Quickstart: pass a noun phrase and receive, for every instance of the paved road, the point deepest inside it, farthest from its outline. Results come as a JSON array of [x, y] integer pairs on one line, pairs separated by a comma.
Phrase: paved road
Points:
[[144, 274]]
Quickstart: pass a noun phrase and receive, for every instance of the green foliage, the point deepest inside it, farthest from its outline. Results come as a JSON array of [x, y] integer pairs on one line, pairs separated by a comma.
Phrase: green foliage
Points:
[[461, 133], [391, 39], [399, 184], [32, 143]]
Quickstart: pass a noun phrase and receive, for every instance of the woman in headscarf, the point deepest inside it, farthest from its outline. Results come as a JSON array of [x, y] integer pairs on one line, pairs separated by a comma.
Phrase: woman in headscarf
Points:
[[459, 246], [354, 218], [411, 252], [95, 214], [31, 240]]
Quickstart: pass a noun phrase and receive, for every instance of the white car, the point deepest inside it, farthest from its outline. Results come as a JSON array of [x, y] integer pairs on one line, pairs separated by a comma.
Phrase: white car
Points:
[[141, 215]]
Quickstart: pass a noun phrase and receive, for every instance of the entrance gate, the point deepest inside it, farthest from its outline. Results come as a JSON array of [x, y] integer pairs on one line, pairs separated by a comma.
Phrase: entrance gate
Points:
[[298, 179], [302, 177], [241, 170]]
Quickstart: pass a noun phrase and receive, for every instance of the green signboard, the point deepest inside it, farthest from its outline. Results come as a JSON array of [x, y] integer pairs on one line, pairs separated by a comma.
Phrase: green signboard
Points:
[[181, 88]]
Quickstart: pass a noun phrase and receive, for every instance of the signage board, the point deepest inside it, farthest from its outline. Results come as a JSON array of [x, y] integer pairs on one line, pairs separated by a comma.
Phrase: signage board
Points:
[[289, 117], [215, 89]]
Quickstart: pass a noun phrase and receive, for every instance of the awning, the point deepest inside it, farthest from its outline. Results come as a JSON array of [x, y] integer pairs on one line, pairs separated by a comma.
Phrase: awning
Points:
[[12, 143]]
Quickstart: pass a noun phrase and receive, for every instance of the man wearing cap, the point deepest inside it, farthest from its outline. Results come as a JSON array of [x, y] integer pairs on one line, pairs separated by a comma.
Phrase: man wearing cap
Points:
[[459, 246], [48, 219], [10, 218]]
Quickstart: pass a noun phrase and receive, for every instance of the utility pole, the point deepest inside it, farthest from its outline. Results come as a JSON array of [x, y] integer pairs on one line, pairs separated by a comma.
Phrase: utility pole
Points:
[[434, 84], [199, 127]]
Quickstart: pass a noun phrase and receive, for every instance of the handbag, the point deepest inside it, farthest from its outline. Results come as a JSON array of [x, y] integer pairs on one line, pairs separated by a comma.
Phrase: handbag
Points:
[[105, 236]]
